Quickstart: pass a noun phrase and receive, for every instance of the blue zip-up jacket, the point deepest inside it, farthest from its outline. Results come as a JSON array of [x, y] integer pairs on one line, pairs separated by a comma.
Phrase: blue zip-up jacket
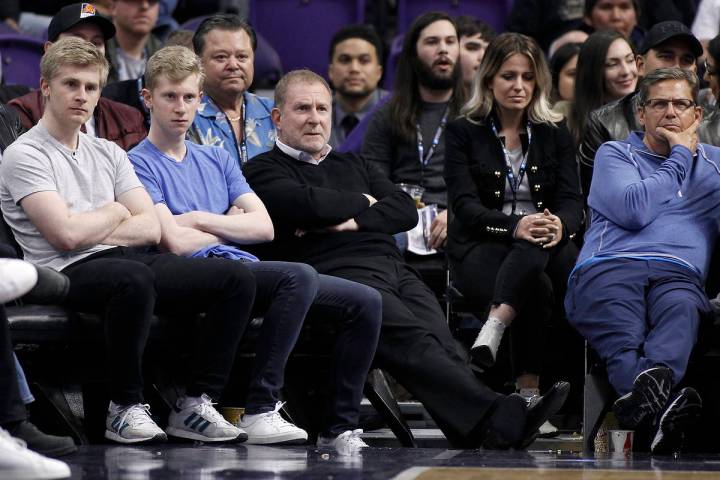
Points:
[[644, 205]]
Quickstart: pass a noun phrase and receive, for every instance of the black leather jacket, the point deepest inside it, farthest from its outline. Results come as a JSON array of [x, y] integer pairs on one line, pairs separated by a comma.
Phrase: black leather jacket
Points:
[[615, 121], [10, 126]]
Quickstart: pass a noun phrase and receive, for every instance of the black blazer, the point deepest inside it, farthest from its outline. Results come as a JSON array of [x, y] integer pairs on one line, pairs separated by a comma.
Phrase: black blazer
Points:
[[475, 177]]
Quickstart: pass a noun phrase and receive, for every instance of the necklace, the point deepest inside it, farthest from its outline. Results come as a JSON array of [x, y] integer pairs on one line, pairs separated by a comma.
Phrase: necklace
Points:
[[233, 119]]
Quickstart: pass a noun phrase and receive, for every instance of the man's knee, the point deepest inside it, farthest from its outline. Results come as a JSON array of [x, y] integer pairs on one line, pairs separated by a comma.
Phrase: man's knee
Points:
[[134, 279], [235, 278]]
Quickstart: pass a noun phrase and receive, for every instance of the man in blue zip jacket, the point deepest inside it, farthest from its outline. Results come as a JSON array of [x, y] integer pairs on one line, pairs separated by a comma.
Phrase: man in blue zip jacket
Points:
[[636, 292]]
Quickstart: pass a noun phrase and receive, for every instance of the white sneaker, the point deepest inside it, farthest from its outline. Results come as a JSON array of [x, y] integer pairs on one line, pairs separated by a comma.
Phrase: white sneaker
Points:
[[347, 443], [19, 463], [132, 424], [202, 422], [271, 428], [484, 350], [17, 277]]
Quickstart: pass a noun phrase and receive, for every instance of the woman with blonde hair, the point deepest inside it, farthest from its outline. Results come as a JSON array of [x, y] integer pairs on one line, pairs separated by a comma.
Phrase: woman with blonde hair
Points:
[[514, 195]]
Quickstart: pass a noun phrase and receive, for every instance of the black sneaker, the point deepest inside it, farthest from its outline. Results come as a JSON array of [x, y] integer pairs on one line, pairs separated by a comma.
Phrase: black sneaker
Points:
[[541, 409], [42, 443], [649, 396], [682, 412]]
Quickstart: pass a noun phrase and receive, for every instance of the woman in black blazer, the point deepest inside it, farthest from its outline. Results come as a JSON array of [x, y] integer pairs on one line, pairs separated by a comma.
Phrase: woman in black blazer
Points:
[[515, 200]]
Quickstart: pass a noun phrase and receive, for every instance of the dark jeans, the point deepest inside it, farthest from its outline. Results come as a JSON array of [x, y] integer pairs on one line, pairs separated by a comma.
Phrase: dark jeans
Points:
[[126, 287], [521, 275], [637, 314], [285, 293], [416, 347], [357, 311], [12, 408]]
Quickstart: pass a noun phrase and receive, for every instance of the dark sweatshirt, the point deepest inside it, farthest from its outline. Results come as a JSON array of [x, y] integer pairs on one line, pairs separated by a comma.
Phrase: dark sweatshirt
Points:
[[301, 195]]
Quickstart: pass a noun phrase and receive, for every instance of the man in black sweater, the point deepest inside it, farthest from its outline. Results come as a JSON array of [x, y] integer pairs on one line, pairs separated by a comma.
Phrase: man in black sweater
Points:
[[338, 213]]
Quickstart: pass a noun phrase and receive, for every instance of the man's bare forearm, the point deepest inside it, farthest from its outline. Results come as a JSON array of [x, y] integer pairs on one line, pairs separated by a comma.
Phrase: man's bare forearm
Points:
[[135, 231]]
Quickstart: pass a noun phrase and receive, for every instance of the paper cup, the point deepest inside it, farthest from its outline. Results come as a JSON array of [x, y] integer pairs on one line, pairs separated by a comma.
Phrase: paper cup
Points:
[[621, 441], [232, 414]]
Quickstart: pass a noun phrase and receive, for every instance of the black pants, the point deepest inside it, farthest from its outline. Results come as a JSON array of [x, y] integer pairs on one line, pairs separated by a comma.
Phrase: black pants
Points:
[[12, 408], [416, 347], [524, 276], [126, 287]]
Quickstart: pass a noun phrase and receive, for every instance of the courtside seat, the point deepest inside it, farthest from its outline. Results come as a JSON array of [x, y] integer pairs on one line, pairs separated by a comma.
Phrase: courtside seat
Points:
[[74, 334]]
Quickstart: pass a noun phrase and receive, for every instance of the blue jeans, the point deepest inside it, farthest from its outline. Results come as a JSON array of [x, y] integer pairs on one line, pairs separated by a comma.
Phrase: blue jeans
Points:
[[25, 394], [637, 314], [287, 292]]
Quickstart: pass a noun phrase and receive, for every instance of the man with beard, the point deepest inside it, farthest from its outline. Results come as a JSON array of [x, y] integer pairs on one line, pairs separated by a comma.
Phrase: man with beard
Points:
[[355, 70], [405, 138]]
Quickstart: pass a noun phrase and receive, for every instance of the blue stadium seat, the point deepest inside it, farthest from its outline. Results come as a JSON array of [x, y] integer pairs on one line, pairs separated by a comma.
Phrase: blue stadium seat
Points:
[[492, 12], [301, 30], [21, 59]]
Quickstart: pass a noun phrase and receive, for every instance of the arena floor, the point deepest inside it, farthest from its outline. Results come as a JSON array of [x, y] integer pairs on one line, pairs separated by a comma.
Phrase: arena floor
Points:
[[260, 462]]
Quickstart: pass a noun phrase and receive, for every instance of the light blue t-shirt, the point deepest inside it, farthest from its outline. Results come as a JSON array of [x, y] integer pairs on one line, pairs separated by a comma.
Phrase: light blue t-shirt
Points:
[[208, 179]]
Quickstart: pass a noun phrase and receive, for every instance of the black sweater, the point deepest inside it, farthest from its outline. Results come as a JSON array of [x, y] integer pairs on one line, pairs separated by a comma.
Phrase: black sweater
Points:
[[301, 195]]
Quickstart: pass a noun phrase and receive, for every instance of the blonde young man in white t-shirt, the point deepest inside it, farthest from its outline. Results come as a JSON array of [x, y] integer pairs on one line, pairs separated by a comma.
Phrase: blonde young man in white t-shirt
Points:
[[75, 204]]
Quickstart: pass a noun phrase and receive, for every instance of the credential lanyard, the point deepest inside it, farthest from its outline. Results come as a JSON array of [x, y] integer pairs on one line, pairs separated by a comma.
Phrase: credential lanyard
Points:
[[512, 180], [425, 159]]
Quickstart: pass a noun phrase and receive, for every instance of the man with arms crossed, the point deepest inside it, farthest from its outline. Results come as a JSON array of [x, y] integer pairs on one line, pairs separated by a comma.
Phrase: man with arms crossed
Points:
[[74, 204], [206, 208], [338, 213]]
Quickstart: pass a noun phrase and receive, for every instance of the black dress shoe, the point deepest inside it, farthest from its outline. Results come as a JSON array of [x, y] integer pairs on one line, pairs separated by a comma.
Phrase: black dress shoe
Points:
[[541, 409], [42, 443], [505, 426]]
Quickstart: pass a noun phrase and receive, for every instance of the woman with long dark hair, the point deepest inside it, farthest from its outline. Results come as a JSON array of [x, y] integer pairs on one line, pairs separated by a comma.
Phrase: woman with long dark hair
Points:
[[563, 68], [606, 71], [513, 189]]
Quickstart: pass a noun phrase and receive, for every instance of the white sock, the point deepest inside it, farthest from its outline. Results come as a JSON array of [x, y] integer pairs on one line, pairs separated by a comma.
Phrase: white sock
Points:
[[528, 392]]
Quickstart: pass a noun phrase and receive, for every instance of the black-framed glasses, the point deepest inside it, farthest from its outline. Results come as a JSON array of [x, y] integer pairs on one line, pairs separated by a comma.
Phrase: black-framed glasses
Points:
[[660, 105], [711, 71]]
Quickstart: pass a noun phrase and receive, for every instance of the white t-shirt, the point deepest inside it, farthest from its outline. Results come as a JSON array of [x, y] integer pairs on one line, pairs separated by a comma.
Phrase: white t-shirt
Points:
[[91, 176], [707, 20]]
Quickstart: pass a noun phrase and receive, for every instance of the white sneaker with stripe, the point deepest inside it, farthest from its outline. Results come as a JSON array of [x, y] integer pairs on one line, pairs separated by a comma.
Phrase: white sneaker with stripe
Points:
[[132, 424], [200, 421]]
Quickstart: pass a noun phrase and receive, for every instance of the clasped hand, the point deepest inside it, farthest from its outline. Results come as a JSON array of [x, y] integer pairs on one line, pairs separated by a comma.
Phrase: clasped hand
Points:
[[543, 229]]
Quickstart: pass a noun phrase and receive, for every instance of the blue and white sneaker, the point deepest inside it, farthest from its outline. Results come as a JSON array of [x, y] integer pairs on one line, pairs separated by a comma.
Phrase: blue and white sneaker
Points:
[[200, 421], [132, 424]]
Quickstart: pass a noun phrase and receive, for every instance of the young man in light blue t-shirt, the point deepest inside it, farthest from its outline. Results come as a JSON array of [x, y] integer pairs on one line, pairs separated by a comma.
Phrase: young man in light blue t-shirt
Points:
[[206, 208]]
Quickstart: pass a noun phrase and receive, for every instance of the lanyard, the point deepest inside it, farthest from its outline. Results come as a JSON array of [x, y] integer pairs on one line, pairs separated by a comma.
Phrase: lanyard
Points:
[[242, 147], [425, 159], [512, 180]]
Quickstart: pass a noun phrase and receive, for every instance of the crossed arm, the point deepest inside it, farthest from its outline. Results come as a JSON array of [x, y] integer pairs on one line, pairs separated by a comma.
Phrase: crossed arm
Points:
[[128, 221], [245, 222]]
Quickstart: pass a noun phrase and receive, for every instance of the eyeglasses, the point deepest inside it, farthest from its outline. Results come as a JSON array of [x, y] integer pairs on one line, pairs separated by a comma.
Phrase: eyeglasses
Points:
[[660, 105], [711, 71]]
